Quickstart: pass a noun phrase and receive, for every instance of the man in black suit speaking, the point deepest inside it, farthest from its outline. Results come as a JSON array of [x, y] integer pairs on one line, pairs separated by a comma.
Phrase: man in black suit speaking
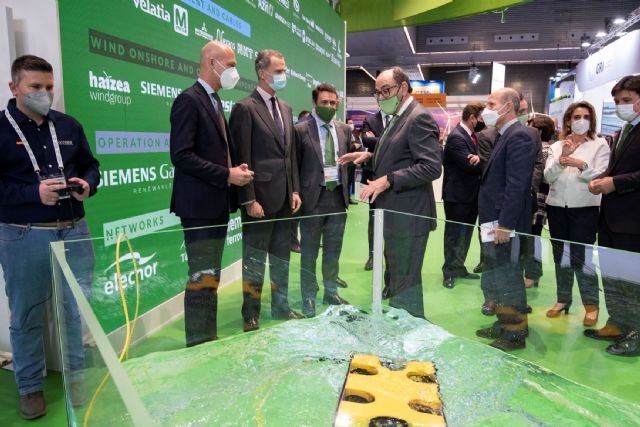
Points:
[[461, 182], [407, 159], [504, 207], [324, 189], [203, 192], [263, 137]]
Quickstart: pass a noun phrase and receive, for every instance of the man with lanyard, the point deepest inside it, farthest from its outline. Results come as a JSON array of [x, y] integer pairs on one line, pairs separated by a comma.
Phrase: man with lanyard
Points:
[[46, 171]]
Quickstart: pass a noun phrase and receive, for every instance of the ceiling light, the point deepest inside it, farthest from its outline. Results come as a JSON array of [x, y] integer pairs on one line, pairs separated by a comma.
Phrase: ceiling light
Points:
[[406, 33], [476, 78], [347, 54], [619, 21], [600, 34], [552, 78]]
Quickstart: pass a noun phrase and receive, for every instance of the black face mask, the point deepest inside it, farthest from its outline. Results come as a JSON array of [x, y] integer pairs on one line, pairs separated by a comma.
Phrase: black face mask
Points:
[[479, 126]]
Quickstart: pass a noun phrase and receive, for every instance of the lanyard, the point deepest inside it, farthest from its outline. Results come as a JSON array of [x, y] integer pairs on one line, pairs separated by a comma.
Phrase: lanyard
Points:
[[54, 138]]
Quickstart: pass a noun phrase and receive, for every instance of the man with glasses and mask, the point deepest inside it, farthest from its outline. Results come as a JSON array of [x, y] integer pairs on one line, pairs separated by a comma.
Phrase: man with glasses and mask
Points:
[[263, 137], [406, 160], [619, 226], [203, 185], [324, 189], [47, 170], [504, 207]]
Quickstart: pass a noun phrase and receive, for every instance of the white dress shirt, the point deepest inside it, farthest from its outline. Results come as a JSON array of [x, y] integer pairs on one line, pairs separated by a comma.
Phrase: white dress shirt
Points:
[[568, 186], [267, 100]]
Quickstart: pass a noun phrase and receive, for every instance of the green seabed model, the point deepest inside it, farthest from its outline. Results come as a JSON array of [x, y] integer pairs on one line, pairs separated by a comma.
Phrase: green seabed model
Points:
[[292, 375]]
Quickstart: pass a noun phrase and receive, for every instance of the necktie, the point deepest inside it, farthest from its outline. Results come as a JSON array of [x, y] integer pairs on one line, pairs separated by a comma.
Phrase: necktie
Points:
[[220, 116], [277, 119], [329, 155], [386, 121], [623, 137], [474, 138], [382, 138]]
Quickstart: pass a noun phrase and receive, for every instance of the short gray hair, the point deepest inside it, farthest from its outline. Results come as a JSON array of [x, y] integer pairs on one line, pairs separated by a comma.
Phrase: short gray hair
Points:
[[510, 94], [263, 59], [399, 76]]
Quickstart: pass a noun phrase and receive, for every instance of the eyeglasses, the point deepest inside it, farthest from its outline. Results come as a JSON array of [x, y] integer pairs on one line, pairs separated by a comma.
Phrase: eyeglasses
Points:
[[385, 92]]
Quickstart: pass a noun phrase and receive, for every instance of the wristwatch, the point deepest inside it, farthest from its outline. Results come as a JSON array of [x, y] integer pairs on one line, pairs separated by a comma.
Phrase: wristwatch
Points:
[[583, 167]]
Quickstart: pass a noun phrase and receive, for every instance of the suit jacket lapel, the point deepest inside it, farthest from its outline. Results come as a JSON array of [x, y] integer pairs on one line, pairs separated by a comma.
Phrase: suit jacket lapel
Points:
[[207, 104], [401, 122], [627, 142], [496, 148], [286, 124], [468, 139], [314, 136], [265, 115]]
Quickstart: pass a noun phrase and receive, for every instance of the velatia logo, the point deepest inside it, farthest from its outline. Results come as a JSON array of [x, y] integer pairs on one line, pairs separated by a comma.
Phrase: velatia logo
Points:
[[153, 9]]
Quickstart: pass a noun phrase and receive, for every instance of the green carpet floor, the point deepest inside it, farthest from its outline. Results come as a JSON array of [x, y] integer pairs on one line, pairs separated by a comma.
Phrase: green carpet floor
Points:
[[556, 344]]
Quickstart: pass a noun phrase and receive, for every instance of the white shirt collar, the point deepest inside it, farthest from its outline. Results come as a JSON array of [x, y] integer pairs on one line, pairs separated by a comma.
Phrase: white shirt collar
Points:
[[206, 87], [320, 121], [404, 106], [507, 125], [469, 131], [265, 95]]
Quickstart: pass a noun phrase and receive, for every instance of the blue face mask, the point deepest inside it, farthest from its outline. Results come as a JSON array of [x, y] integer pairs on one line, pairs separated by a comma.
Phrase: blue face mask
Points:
[[279, 82]]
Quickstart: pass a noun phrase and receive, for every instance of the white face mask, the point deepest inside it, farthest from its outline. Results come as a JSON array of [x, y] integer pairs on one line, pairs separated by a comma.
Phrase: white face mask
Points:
[[580, 126], [491, 117], [626, 112], [229, 77]]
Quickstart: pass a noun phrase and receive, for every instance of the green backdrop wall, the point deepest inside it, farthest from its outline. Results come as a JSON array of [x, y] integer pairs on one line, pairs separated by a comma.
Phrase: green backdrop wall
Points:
[[124, 62]]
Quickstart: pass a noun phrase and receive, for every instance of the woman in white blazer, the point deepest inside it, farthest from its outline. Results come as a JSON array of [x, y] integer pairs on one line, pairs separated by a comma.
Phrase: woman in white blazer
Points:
[[572, 211]]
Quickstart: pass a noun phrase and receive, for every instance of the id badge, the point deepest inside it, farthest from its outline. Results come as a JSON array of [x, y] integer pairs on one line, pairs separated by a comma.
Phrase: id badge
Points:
[[330, 173], [58, 179]]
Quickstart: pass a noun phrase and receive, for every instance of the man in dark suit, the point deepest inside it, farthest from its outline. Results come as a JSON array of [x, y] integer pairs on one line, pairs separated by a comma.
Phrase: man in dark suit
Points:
[[203, 192], [619, 226], [407, 159], [372, 127], [461, 182], [504, 207], [263, 138], [325, 196]]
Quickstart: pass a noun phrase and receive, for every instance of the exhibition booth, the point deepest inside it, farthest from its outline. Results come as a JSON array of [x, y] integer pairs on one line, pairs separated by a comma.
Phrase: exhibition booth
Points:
[[117, 305]]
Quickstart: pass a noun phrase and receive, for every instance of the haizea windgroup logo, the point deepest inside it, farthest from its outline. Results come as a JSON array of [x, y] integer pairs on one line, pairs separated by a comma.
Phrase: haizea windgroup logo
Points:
[[105, 88], [146, 268]]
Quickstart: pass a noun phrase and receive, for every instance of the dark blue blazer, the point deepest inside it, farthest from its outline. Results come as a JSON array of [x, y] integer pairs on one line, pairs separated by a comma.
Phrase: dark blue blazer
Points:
[[199, 153], [461, 180], [505, 189]]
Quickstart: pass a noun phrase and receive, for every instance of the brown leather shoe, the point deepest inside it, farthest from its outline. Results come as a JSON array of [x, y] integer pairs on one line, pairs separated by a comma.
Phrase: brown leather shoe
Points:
[[250, 325], [32, 405], [590, 315], [608, 332]]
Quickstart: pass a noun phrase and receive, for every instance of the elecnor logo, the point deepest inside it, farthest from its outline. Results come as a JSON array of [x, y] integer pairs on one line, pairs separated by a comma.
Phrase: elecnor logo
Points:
[[146, 269], [599, 67], [202, 32], [153, 9], [180, 20], [106, 82]]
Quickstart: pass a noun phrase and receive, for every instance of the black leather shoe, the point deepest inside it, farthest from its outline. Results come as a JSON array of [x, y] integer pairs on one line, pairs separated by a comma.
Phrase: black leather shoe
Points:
[[341, 283], [490, 333], [334, 300], [287, 315], [386, 293], [448, 282], [32, 405], [529, 309], [295, 247], [628, 346], [478, 268], [488, 309], [368, 266], [250, 325], [309, 307], [469, 276], [509, 345]]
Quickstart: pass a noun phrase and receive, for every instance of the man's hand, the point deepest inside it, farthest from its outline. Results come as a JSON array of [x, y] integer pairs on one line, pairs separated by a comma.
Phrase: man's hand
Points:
[[47, 190], [501, 235], [602, 185], [254, 210], [370, 134], [240, 175], [85, 189], [374, 188], [357, 158], [296, 202], [474, 159]]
